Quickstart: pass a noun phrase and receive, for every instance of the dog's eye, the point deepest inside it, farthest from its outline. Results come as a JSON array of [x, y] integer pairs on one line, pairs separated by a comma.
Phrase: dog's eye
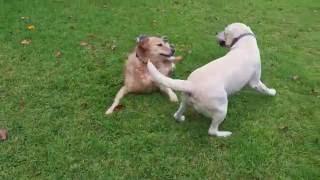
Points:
[[159, 45]]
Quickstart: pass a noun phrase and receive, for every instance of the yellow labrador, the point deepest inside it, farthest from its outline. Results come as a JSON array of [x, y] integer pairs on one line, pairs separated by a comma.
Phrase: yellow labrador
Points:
[[207, 88]]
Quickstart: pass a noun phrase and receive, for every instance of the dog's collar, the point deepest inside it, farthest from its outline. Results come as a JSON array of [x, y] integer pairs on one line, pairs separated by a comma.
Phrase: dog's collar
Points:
[[235, 40]]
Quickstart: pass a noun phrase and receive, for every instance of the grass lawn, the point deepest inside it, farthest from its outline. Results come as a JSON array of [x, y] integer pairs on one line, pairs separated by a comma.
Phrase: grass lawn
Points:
[[56, 85]]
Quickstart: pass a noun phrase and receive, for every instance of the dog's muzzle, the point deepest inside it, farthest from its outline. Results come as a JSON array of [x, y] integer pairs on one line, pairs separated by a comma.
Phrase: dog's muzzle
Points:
[[169, 55]]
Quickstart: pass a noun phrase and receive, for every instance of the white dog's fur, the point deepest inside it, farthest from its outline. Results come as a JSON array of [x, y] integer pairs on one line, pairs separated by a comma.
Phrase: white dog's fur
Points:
[[207, 88]]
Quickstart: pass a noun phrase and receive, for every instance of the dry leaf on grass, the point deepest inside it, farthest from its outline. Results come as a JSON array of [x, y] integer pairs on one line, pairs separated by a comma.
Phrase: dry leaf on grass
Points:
[[26, 42], [58, 54], [284, 128], [31, 27], [314, 91], [295, 77], [22, 104], [83, 43], [113, 47], [3, 134], [24, 17]]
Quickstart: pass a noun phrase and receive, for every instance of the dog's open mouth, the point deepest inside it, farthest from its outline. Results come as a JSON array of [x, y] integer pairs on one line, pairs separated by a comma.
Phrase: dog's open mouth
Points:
[[169, 57], [166, 55]]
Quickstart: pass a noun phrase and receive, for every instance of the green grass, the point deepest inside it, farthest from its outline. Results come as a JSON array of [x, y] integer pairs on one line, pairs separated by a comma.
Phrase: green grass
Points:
[[54, 106]]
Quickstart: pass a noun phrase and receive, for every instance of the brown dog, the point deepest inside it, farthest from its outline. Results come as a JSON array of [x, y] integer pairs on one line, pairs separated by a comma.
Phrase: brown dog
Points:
[[137, 77]]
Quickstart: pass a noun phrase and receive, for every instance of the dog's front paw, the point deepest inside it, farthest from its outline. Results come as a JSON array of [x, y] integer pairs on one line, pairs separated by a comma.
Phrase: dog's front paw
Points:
[[108, 112], [272, 92], [179, 118], [220, 133]]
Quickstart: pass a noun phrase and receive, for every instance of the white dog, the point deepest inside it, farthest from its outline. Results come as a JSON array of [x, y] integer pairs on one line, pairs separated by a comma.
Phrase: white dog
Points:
[[208, 87]]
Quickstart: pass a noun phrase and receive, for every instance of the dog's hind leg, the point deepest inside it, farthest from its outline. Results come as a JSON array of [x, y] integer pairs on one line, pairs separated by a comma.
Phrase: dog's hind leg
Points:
[[262, 88], [182, 108], [217, 118], [255, 83], [122, 92]]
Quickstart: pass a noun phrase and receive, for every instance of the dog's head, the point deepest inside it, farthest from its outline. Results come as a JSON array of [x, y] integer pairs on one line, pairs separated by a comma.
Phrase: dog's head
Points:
[[154, 48], [231, 32]]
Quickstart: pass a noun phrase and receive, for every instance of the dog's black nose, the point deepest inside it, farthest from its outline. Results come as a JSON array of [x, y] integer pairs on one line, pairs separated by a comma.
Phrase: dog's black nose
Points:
[[222, 43]]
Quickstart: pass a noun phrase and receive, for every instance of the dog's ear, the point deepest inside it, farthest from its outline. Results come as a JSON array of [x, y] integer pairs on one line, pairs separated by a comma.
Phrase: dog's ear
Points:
[[165, 38], [140, 38], [142, 48], [228, 36]]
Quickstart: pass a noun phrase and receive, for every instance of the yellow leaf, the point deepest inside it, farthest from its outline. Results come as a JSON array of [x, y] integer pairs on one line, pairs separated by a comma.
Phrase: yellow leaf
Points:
[[31, 27], [58, 54], [83, 43], [26, 42]]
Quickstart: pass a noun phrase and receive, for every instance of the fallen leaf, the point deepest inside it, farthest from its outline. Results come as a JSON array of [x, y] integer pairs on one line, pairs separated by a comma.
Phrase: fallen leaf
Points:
[[3, 134], [31, 27], [295, 77], [91, 36], [83, 43], [57, 54], [24, 17], [113, 47], [314, 91], [26, 42], [22, 104], [284, 128], [119, 107], [84, 105]]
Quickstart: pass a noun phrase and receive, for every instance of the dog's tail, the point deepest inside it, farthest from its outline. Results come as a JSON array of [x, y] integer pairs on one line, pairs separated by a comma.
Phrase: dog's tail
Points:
[[176, 84]]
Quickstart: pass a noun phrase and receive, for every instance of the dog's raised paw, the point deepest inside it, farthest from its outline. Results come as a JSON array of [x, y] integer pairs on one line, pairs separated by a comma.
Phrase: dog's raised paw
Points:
[[108, 112]]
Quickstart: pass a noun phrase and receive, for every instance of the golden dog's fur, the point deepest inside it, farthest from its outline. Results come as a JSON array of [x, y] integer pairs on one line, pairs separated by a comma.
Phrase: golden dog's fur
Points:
[[137, 78]]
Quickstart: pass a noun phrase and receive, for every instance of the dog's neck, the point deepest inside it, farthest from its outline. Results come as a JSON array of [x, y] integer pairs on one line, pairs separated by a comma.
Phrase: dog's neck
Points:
[[143, 61], [235, 40]]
